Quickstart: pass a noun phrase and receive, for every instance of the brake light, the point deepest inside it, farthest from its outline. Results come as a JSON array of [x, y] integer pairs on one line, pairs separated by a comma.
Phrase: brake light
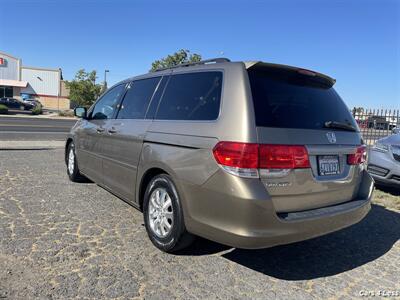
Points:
[[306, 72], [240, 159], [283, 157], [244, 159], [359, 157]]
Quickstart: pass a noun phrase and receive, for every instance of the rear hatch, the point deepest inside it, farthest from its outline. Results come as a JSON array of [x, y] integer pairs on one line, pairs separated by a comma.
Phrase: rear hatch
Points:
[[300, 117]]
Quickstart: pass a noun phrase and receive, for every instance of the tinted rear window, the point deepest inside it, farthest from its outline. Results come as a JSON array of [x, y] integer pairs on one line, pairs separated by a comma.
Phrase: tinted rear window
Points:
[[288, 99], [191, 96]]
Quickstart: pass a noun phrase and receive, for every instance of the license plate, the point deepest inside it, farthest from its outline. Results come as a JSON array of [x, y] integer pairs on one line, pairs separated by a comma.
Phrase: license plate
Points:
[[328, 165]]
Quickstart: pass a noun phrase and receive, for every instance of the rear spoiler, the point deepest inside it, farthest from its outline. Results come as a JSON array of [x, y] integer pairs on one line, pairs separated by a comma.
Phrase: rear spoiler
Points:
[[259, 64]]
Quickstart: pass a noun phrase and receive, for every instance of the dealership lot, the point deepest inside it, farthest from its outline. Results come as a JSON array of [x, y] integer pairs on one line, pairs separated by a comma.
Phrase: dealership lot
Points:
[[62, 240]]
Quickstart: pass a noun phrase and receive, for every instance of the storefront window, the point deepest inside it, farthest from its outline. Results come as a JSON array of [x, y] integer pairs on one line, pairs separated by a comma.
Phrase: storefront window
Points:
[[6, 92]]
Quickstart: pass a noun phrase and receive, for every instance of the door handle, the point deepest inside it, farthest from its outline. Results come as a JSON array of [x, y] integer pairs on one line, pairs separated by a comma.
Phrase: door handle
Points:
[[100, 129], [112, 130]]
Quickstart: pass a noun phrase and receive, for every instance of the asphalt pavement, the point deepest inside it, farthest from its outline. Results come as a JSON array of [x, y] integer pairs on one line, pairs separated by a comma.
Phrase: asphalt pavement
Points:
[[34, 128]]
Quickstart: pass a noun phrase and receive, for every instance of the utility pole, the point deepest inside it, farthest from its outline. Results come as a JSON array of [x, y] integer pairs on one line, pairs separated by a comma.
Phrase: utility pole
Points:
[[105, 78], [59, 89]]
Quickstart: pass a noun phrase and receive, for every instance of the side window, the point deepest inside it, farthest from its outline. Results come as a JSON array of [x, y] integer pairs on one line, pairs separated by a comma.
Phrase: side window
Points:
[[191, 96], [137, 98], [106, 106], [151, 111]]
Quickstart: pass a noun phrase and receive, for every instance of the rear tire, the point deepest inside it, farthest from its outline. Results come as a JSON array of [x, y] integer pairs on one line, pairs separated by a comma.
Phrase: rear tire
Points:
[[72, 165], [163, 215]]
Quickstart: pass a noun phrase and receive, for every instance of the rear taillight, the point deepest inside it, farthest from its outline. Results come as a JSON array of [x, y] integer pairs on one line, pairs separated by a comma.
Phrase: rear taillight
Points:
[[244, 159], [283, 157], [240, 159], [359, 157]]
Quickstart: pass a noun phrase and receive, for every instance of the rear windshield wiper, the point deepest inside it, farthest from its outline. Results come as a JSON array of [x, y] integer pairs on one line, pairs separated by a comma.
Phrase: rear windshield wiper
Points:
[[339, 125]]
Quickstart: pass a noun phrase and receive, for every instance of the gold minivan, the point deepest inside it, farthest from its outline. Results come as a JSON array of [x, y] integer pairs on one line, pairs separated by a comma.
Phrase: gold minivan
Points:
[[248, 154]]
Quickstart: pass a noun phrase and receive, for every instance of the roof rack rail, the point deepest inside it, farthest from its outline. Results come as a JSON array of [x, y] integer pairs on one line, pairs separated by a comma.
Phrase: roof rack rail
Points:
[[202, 62]]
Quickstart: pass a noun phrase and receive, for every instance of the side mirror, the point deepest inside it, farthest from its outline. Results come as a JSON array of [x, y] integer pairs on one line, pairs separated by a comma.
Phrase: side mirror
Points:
[[80, 112]]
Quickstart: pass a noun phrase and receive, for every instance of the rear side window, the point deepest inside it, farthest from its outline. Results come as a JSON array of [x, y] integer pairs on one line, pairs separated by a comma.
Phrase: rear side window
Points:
[[137, 98], [288, 99], [191, 96]]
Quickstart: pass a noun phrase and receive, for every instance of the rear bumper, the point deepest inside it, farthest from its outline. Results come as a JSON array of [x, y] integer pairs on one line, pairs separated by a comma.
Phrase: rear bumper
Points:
[[246, 217]]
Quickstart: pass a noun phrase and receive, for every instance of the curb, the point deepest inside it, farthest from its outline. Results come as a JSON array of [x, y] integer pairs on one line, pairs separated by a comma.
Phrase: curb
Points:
[[51, 117], [31, 145]]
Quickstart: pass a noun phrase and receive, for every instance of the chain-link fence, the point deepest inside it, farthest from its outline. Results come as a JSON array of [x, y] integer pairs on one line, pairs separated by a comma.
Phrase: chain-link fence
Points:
[[377, 123]]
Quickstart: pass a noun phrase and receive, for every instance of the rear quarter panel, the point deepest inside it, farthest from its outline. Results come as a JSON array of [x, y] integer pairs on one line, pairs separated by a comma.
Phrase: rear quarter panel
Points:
[[188, 165]]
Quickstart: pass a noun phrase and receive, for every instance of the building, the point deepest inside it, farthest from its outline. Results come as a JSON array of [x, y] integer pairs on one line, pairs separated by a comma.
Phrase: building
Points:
[[22, 82]]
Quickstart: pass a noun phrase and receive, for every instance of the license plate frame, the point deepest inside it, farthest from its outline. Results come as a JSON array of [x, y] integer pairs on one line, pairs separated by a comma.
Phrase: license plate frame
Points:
[[328, 165]]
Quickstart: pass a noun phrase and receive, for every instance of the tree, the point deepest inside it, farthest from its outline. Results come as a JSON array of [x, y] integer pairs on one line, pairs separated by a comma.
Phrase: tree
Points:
[[83, 89], [179, 57], [103, 87], [358, 111]]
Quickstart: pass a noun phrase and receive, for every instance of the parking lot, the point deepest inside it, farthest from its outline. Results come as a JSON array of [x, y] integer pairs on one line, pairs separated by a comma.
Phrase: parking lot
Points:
[[63, 240]]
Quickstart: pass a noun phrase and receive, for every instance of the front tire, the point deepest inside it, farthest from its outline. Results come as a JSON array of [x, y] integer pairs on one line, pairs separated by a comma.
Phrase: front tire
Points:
[[163, 215], [72, 165]]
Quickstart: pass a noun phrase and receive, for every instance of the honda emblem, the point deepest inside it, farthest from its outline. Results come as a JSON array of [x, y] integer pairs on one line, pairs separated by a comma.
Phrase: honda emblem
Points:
[[331, 137]]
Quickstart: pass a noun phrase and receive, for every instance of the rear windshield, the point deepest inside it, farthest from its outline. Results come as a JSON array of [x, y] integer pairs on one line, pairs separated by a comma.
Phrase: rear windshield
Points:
[[288, 99]]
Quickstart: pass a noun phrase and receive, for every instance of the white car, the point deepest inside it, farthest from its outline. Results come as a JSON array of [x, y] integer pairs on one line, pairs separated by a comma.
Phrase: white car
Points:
[[33, 102], [384, 161]]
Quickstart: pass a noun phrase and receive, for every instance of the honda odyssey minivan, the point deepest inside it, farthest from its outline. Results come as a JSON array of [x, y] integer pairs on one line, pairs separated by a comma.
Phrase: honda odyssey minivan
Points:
[[248, 154]]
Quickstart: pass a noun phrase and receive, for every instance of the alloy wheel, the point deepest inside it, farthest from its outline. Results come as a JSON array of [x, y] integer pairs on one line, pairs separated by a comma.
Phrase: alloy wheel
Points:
[[71, 161], [161, 215]]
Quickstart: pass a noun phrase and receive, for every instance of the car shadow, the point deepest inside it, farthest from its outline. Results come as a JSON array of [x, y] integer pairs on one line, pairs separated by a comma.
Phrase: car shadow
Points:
[[395, 191], [201, 247], [319, 257]]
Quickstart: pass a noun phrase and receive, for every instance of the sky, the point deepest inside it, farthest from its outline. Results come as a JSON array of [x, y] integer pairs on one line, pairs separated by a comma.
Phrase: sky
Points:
[[355, 41]]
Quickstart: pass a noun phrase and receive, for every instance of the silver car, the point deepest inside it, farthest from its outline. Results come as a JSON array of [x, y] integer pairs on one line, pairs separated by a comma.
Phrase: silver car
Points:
[[384, 161], [248, 154]]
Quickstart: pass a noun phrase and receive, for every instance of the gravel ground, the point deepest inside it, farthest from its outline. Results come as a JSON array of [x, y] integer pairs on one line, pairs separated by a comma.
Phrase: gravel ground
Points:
[[64, 240], [388, 197]]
